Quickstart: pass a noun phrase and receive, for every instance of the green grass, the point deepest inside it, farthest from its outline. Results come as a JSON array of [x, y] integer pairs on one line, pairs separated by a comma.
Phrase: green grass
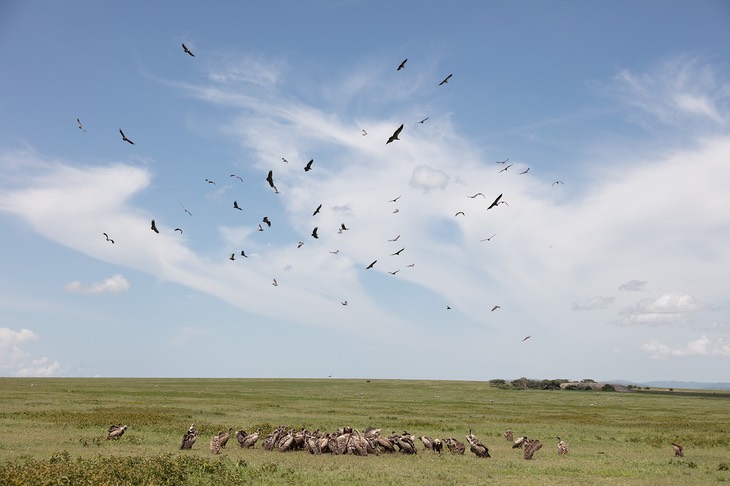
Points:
[[53, 432]]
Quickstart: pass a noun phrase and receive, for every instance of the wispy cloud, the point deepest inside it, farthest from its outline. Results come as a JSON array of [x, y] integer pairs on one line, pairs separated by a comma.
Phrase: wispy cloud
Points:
[[668, 308], [633, 285], [114, 284], [699, 347], [597, 302]]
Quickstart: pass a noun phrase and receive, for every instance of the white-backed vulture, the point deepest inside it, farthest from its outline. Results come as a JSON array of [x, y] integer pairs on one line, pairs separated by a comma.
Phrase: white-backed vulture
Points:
[[479, 449], [116, 431], [531, 447]]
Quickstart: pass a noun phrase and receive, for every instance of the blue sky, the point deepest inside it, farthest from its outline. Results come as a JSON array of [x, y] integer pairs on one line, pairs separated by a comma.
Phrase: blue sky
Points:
[[617, 271]]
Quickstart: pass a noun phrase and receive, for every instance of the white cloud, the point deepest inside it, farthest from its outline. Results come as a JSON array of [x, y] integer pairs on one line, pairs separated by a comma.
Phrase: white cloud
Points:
[[114, 284], [666, 309], [14, 359], [427, 178], [633, 285], [699, 347], [597, 302]]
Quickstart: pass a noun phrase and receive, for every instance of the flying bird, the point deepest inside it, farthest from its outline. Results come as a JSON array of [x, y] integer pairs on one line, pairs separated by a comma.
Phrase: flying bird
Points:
[[396, 210], [335, 252], [210, 182], [308, 167], [446, 80], [243, 254], [270, 180], [371, 265], [506, 168], [503, 161], [488, 239], [81, 127], [267, 221], [398, 252], [394, 239], [495, 308], [395, 134], [558, 182], [411, 265], [314, 232], [448, 307], [402, 64], [423, 121], [275, 283], [394, 200], [153, 226], [526, 338], [261, 228], [186, 209], [300, 244], [236, 206], [179, 229], [124, 137], [460, 212], [232, 257], [187, 51], [477, 194], [343, 227], [393, 273], [344, 302], [495, 203], [364, 132], [284, 160], [237, 177], [316, 211], [107, 238], [525, 171]]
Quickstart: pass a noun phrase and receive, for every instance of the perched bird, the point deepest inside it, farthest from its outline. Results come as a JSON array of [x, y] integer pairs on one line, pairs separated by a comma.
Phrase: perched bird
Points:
[[237, 177], [236, 206], [526, 338], [446, 80], [308, 167], [455, 446], [187, 51], [525, 171], [153, 226], [371, 265], [519, 442], [531, 447], [316, 211], [395, 239], [209, 181], [267, 221], [479, 449], [562, 446], [81, 127], [507, 167], [678, 450], [508, 435], [495, 308], [186, 209], [398, 252], [124, 137], [490, 238], [495, 203], [107, 238], [116, 431], [223, 437], [314, 232], [215, 445], [189, 438], [402, 64], [395, 134], [423, 121], [460, 212]]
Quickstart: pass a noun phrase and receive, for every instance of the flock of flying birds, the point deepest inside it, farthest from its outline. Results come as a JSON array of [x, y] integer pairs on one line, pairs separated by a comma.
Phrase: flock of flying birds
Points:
[[307, 168]]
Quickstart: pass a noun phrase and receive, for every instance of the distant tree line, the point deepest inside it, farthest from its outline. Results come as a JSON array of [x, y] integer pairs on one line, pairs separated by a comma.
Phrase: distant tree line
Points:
[[530, 384]]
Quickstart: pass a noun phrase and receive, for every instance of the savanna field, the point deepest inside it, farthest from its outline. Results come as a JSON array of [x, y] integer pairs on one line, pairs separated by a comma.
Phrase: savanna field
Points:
[[53, 432]]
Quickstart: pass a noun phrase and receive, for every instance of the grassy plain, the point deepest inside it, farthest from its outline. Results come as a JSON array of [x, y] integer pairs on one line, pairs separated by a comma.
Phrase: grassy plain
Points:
[[53, 432]]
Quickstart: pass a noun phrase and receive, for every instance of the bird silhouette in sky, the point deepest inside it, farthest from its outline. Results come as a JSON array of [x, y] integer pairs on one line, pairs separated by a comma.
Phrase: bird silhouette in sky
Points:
[[398, 252], [525, 171], [210, 182], [232, 257], [308, 167], [394, 272], [371, 265], [558, 182], [267, 221], [237, 177], [395, 134], [394, 200], [477, 194], [394, 239], [446, 79], [402, 64], [124, 137], [314, 232], [185, 209], [343, 227], [344, 302], [411, 265], [526, 338], [495, 308], [270, 180], [506, 168], [275, 283], [423, 121], [261, 228], [503, 161], [107, 238], [236, 206], [187, 51], [81, 127], [334, 252], [316, 211], [179, 229], [496, 202], [488, 239], [153, 226], [460, 212], [300, 244], [284, 160], [243, 254], [364, 132]]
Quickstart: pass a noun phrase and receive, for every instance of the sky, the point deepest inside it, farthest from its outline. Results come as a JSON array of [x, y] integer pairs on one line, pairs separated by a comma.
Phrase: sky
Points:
[[603, 128]]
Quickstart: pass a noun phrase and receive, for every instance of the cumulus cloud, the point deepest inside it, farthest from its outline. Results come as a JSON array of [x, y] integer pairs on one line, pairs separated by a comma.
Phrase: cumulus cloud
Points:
[[666, 309], [114, 284], [597, 302], [14, 359], [427, 178], [699, 347], [633, 285]]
